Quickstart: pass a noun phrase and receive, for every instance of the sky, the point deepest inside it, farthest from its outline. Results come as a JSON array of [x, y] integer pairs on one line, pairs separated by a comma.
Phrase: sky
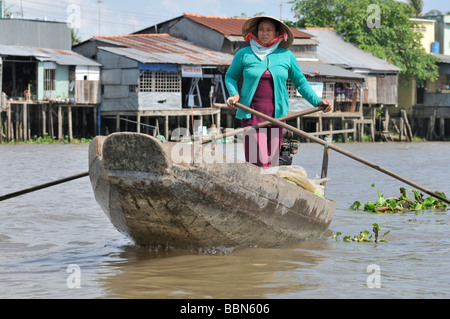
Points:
[[114, 17]]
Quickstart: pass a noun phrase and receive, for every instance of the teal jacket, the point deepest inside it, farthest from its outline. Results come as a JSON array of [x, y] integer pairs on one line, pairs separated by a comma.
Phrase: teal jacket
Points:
[[282, 64]]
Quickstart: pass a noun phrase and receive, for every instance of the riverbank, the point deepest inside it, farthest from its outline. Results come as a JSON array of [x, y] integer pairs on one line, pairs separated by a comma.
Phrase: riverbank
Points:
[[50, 140], [53, 140]]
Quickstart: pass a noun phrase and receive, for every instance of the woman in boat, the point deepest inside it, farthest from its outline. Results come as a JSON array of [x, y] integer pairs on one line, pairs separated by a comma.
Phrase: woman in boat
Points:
[[265, 66]]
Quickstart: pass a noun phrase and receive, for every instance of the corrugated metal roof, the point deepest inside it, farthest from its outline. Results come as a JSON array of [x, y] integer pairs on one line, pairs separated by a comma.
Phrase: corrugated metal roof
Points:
[[333, 49], [61, 57], [16, 50], [66, 57], [225, 25], [163, 48], [231, 25], [443, 58], [320, 69]]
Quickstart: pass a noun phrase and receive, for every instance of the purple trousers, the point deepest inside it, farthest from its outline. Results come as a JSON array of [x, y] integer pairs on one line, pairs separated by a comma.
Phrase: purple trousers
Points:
[[262, 146]]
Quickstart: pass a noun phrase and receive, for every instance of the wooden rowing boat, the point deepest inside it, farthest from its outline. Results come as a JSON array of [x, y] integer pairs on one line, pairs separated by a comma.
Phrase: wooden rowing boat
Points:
[[205, 200]]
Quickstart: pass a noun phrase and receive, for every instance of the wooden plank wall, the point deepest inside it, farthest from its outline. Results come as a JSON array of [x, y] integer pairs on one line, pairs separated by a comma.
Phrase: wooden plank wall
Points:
[[87, 92], [381, 89], [387, 89]]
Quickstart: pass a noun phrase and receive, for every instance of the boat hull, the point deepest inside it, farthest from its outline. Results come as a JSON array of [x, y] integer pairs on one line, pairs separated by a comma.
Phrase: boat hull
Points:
[[161, 201]]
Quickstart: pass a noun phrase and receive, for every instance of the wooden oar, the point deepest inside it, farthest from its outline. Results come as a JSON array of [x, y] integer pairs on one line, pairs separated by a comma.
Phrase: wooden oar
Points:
[[35, 188], [234, 132], [342, 151], [263, 124]]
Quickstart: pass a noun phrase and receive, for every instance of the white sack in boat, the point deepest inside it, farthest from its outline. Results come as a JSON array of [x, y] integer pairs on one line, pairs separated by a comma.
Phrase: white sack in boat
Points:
[[298, 175]]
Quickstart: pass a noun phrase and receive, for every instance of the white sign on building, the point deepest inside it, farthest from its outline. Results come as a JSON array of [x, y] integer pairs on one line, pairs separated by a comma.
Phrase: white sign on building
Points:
[[189, 71]]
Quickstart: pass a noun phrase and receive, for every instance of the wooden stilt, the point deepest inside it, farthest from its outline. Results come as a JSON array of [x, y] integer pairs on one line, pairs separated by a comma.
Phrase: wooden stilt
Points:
[[372, 124], [69, 118], [96, 128], [10, 129], [331, 128], [29, 137], [60, 123], [229, 120], [138, 123], [431, 125], [50, 113], [345, 135], [320, 124], [44, 119], [402, 128], [166, 127], [18, 136], [25, 121], [187, 123], [118, 123]]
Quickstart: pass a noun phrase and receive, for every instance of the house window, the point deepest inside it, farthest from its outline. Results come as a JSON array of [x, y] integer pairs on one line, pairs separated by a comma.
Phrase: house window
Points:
[[327, 90], [49, 76], [159, 81]]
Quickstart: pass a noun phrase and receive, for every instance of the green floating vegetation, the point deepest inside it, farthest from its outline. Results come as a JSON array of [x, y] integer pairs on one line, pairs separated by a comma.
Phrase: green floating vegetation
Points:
[[364, 236], [402, 203]]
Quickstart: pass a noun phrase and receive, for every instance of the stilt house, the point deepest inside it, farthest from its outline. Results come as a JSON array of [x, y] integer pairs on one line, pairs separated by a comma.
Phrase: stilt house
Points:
[[156, 75], [41, 78]]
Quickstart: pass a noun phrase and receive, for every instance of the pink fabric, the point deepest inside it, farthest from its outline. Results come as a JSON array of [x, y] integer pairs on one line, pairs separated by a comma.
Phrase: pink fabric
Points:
[[262, 146]]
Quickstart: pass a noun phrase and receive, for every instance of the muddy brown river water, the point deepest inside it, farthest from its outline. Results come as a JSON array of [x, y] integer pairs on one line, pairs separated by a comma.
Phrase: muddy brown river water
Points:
[[57, 242]]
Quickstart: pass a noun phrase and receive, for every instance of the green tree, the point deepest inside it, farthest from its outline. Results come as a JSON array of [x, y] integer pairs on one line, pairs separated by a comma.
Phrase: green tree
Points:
[[434, 12], [382, 27], [75, 38], [417, 6]]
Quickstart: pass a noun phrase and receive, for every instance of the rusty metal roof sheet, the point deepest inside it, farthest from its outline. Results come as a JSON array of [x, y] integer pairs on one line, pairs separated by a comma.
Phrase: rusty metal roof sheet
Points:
[[162, 48], [17, 50], [231, 25], [66, 57]]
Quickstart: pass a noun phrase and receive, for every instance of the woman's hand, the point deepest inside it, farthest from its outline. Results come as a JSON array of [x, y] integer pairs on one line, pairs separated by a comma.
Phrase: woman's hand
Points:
[[232, 100], [327, 104]]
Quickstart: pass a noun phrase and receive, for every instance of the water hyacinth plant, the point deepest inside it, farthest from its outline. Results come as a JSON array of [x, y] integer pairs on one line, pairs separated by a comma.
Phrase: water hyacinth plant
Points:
[[364, 236], [402, 203]]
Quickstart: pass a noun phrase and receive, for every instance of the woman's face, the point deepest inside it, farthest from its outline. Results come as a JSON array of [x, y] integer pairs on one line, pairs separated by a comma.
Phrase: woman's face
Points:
[[266, 31]]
